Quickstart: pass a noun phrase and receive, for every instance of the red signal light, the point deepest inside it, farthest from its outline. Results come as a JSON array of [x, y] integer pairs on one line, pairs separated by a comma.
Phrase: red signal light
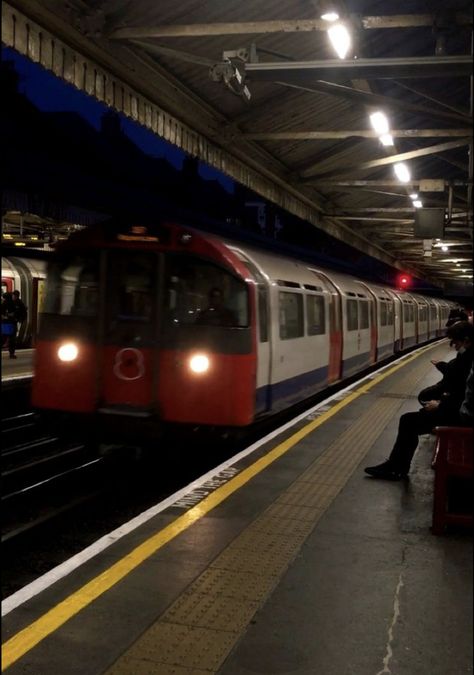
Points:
[[404, 281]]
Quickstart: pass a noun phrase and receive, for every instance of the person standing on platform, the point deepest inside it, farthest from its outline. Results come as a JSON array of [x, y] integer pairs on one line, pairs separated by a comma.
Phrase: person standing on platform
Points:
[[442, 412], [14, 312]]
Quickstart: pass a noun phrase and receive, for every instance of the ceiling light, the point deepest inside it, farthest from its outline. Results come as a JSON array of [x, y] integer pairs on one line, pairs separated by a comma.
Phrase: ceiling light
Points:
[[340, 39], [379, 122], [414, 195], [402, 172], [417, 203], [444, 248], [330, 16], [386, 139]]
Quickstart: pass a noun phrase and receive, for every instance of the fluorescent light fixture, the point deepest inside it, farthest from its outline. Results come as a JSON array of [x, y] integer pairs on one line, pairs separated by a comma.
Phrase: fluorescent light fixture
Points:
[[340, 39], [330, 16], [386, 139], [402, 172], [379, 122], [417, 203], [414, 195]]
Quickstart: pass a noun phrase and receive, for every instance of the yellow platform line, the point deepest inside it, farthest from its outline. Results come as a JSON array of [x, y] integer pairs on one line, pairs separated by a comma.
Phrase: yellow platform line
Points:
[[31, 635]]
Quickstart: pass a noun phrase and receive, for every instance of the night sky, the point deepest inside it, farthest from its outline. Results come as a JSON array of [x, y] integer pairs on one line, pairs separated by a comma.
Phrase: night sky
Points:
[[51, 94]]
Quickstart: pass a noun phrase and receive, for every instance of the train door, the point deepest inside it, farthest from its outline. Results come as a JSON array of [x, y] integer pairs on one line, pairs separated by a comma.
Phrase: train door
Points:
[[129, 331], [264, 353], [373, 322], [335, 328]]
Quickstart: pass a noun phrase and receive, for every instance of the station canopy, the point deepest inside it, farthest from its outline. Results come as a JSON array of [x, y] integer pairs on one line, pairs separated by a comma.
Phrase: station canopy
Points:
[[262, 92]]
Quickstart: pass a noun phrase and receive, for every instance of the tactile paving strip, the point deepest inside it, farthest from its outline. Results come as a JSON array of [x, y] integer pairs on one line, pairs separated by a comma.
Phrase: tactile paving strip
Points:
[[200, 628]]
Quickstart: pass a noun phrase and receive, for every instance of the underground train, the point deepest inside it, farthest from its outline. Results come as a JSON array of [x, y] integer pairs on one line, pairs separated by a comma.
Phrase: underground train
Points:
[[167, 324], [27, 276]]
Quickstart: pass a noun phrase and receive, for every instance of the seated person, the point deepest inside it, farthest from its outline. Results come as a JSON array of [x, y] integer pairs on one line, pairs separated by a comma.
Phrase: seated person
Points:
[[442, 412], [216, 313]]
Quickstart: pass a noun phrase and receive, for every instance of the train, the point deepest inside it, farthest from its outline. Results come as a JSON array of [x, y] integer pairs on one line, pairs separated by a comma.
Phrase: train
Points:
[[27, 275], [155, 324]]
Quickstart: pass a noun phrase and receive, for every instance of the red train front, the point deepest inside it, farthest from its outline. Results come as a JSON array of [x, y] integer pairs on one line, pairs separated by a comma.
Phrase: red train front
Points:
[[150, 322]]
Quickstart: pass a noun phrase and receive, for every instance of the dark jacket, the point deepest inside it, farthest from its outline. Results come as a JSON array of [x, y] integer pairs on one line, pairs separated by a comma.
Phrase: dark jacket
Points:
[[454, 381]]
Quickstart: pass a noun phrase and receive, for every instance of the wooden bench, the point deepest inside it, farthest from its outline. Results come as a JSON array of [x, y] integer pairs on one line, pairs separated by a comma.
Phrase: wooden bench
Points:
[[452, 458]]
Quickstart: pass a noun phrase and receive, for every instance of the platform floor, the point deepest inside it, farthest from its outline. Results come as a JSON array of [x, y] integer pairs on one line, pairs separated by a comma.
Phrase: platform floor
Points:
[[290, 561]]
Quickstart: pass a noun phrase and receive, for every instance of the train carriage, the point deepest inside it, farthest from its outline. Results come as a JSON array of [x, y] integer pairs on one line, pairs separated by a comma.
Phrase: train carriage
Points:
[[165, 324]]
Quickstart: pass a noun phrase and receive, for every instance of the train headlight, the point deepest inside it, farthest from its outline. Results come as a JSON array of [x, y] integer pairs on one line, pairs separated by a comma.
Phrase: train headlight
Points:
[[68, 352], [199, 363]]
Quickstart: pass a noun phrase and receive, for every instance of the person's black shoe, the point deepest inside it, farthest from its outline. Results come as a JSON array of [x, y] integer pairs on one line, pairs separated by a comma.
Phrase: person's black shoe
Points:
[[385, 471]]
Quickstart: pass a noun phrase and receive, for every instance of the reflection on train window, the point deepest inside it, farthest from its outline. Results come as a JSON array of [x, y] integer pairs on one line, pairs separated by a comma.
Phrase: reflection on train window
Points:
[[291, 316], [352, 320], [198, 292], [131, 285], [364, 313], [72, 287], [315, 314]]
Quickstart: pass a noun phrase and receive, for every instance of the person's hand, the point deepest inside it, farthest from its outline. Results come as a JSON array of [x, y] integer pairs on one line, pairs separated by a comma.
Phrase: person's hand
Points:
[[431, 405]]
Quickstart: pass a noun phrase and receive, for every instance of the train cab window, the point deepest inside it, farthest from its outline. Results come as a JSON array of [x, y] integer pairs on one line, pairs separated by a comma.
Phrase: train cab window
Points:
[[131, 286], [73, 287], [423, 313], [432, 313], [383, 313], [315, 314], [352, 315], [201, 293], [363, 314], [291, 316]]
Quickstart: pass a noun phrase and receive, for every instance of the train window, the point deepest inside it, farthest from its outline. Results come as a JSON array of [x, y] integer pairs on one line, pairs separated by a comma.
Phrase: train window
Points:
[[262, 298], [408, 313], [291, 316], [422, 312], [73, 287], [433, 313], [316, 315], [263, 312], [131, 285], [383, 313], [389, 314], [199, 292], [288, 284], [363, 314], [352, 315]]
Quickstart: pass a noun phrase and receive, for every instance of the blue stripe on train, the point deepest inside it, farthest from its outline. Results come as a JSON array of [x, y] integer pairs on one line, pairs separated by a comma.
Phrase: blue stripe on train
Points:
[[287, 392]]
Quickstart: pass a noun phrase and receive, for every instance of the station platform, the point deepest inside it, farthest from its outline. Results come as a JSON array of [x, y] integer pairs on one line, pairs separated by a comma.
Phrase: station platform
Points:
[[20, 368], [288, 560]]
